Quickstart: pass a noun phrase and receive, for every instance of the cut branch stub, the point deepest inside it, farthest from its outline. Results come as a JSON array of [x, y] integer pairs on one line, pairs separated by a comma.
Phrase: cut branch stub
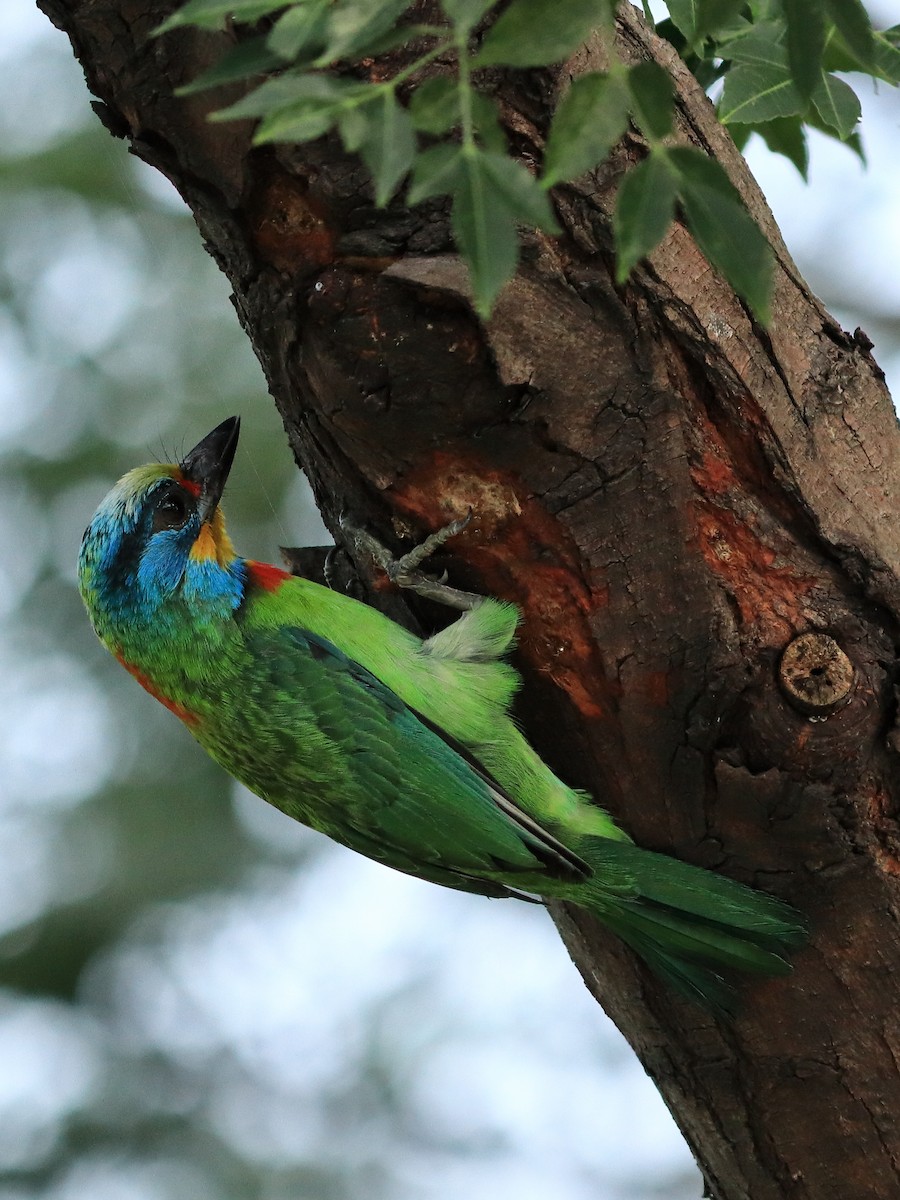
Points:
[[815, 674]]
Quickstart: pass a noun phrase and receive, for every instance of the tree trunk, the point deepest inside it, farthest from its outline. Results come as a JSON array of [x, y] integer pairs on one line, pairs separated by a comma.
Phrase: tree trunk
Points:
[[673, 495]]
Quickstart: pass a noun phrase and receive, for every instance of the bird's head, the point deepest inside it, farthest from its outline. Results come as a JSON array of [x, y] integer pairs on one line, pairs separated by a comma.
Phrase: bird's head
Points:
[[158, 543]]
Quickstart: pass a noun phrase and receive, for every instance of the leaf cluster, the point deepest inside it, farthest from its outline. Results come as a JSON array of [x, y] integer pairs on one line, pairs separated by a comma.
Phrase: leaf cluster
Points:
[[443, 136], [780, 64]]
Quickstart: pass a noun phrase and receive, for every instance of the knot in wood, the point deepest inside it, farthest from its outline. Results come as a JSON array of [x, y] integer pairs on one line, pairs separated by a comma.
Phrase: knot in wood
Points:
[[815, 674]]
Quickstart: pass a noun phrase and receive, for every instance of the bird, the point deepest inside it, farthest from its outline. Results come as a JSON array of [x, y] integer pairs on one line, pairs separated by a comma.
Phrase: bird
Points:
[[397, 746]]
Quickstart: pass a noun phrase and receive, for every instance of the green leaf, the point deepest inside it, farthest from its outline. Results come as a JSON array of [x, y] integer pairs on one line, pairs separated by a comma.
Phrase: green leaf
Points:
[[652, 96], [786, 136], [760, 45], [302, 122], [645, 207], [355, 25], [698, 19], [740, 135], [855, 28], [211, 14], [760, 91], [885, 60], [243, 61], [300, 28], [289, 89], [534, 33], [486, 120], [707, 72], [434, 105], [436, 172], [684, 15], [669, 30], [721, 16], [296, 107], [390, 145], [853, 142], [520, 191], [887, 55], [838, 105], [485, 231], [435, 108], [465, 14], [353, 126], [590, 119], [722, 227], [692, 166], [805, 43], [400, 35]]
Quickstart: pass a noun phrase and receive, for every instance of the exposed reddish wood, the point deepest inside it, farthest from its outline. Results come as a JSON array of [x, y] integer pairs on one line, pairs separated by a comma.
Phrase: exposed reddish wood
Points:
[[519, 551], [768, 596], [288, 228]]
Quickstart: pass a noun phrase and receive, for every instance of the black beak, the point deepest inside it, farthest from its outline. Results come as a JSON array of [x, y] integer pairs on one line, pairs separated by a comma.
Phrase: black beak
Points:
[[209, 462]]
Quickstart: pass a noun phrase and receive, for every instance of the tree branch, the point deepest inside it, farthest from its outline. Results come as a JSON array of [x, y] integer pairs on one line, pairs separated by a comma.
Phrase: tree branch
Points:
[[672, 494]]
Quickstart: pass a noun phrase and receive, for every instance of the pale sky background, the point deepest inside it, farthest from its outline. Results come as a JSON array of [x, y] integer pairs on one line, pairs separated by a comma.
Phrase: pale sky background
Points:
[[303, 1017]]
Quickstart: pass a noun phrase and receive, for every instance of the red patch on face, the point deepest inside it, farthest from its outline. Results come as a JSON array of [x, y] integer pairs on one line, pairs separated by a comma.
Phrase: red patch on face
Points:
[[266, 576], [189, 485], [182, 713]]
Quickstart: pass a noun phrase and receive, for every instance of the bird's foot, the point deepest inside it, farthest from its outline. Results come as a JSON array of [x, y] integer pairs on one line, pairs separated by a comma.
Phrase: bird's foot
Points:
[[405, 572]]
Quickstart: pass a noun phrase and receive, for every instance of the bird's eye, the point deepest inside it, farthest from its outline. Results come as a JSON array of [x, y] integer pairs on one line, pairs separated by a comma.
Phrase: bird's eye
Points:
[[172, 512]]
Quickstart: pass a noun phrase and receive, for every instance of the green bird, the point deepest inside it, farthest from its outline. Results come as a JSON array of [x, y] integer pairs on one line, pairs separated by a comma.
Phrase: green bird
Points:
[[400, 748]]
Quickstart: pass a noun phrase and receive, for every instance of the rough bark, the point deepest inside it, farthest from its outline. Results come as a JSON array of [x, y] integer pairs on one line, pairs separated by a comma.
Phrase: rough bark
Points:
[[673, 495]]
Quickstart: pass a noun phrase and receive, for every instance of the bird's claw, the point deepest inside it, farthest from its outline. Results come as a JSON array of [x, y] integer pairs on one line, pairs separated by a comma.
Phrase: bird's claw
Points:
[[410, 562], [405, 572]]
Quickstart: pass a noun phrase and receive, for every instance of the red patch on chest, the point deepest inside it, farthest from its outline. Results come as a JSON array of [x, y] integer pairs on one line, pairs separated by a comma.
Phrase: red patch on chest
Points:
[[265, 576], [179, 710]]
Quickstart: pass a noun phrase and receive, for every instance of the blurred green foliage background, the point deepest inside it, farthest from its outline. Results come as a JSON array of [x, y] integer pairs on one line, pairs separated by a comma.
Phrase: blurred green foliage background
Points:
[[198, 998]]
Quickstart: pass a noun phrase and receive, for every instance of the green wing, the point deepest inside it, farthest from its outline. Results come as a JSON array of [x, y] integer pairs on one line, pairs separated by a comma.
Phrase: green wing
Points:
[[363, 767]]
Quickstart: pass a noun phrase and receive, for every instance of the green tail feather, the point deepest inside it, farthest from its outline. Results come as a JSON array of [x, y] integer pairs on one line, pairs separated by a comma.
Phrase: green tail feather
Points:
[[700, 984], [693, 928]]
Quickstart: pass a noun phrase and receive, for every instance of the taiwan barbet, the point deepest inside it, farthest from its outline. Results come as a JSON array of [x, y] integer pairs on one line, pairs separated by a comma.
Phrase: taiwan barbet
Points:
[[400, 748]]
